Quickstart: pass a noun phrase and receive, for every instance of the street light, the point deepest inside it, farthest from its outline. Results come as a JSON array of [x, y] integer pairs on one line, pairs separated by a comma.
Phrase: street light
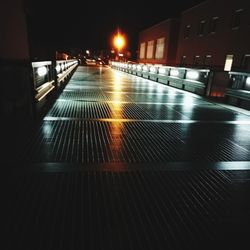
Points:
[[119, 42]]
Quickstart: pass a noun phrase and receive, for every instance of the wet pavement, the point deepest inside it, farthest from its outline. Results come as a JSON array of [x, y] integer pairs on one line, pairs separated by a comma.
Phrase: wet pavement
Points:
[[121, 162]]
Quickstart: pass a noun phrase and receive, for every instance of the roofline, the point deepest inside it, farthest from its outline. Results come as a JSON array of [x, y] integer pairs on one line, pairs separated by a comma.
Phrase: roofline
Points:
[[195, 6], [157, 24]]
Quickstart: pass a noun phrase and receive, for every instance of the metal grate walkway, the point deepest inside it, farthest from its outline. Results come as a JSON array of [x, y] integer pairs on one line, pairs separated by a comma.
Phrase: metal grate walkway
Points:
[[120, 162]]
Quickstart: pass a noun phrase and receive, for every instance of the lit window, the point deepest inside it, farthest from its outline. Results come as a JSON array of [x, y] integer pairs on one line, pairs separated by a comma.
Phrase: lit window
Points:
[[213, 25], [228, 63], [207, 60], [246, 62], [183, 60], [201, 28], [236, 19], [150, 49], [187, 31], [160, 48], [142, 50], [196, 60]]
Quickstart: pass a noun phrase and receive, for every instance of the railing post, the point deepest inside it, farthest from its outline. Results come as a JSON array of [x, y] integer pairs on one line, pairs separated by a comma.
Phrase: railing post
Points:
[[209, 83]]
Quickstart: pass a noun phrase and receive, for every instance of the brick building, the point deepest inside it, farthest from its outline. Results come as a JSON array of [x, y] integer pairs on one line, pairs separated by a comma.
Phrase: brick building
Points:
[[158, 44], [213, 34], [214, 31]]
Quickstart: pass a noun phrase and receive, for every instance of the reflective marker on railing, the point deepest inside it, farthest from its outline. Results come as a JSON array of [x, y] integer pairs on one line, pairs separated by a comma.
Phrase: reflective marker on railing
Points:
[[42, 71], [162, 71], [58, 68], [192, 75], [248, 80], [139, 67], [174, 72], [152, 69]]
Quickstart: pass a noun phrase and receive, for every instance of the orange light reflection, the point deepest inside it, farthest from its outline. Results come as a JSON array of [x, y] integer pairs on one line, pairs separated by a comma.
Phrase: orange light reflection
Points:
[[116, 131]]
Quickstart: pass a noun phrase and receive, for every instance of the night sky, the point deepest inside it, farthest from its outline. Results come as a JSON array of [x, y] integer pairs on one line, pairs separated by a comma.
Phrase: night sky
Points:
[[90, 23]]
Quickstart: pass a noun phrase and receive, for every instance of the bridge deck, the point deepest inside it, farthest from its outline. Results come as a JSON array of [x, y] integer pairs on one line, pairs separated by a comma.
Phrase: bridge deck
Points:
[[120, 162]]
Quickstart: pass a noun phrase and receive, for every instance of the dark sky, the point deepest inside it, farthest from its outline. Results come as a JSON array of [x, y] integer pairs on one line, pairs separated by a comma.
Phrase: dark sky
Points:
[[90, 23]]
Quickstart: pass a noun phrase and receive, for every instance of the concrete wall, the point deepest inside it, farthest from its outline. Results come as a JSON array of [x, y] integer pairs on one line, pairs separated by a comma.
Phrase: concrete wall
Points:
[[16, 83], [13, 31]]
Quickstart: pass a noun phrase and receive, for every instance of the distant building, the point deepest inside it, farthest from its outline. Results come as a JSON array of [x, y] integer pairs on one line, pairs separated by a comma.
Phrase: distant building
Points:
[[213, 34], [62, 56], [158, 44]]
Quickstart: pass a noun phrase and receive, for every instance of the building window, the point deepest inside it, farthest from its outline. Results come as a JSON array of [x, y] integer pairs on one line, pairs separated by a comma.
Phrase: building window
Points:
[[196, 61], [142, 50], [246, 63], [213, 25], [159, 52], [228, 62], [150, 49], [207, 60], [183, 61], [201, 28], [236, 19], [187, 31]]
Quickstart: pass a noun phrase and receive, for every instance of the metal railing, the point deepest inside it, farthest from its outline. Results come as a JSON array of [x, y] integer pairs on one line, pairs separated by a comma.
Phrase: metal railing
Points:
[[46, 78], [193, 80], [64, 68], [238, 92]]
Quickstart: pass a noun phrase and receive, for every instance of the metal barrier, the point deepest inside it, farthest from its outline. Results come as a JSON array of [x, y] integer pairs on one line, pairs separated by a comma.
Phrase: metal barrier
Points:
[[48, 78], [238, 92], [193, 80], [43, 79], [64, 68]]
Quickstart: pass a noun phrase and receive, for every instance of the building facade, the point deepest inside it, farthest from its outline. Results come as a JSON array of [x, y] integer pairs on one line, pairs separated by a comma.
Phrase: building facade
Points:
[[213, 34], [158, 44]]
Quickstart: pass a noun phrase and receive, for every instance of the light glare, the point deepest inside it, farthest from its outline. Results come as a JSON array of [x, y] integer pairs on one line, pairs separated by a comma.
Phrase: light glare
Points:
[[192, 75], [248, 80], [174, 72], [162, 71], [58, 68], [41, 71], [152, 69]]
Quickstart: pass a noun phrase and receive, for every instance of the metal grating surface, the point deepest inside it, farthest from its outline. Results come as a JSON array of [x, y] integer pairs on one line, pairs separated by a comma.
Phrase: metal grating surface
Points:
[[81, 109], [162, 112], [100, 142], [129, 111], [126, 182], [135, 142], [109, 210], [178, 99], [209, 112], [83, 95]]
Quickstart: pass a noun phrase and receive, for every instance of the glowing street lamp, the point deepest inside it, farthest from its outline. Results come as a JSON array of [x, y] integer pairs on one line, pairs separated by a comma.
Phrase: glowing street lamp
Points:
[[119, 42]]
